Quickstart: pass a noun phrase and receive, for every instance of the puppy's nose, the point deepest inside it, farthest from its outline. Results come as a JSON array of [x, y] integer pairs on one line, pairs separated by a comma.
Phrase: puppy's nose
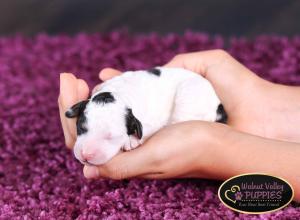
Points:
[[87, 155]]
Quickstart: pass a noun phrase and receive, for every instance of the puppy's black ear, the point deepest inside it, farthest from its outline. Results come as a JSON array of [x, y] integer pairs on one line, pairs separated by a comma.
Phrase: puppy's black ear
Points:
[[133, 125], [76, 109]]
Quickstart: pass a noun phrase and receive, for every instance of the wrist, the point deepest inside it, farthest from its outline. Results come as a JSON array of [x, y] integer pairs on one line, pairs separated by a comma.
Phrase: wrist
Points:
[[212, 163]]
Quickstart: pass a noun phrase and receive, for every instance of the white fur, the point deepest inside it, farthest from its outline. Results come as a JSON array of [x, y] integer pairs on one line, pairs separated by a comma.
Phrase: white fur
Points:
[[174, 96]]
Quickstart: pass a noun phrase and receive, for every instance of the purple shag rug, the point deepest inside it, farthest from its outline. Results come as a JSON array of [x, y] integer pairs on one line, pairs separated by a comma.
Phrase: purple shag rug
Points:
[[39, 177]]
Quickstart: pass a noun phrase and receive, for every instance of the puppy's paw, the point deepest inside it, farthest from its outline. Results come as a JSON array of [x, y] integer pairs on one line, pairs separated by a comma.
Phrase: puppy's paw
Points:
[[132, 143]]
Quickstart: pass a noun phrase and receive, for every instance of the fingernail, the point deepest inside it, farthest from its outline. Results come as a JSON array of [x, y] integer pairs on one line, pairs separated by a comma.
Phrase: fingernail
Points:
[[90, 172]]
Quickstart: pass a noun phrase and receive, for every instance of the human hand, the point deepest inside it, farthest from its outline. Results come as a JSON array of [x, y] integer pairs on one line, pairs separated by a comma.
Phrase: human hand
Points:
[[253, 104], [185, 149]]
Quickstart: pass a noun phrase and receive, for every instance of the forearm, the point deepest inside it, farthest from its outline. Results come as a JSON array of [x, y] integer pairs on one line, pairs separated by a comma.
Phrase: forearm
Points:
[[238, 153]]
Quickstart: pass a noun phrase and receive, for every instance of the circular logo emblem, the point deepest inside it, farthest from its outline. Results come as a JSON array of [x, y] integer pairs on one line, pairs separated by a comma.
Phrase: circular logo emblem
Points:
[[255, 193]]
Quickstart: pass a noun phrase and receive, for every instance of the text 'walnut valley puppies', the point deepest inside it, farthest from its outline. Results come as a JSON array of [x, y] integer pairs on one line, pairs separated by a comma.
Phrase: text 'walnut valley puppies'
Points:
[[128, 109]]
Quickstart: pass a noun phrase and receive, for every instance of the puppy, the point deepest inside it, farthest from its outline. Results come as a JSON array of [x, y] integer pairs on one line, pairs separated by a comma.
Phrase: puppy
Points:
[[128, 109]]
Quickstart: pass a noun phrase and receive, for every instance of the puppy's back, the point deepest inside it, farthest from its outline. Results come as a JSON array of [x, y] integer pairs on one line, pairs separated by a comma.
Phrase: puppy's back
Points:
[[150, 93]]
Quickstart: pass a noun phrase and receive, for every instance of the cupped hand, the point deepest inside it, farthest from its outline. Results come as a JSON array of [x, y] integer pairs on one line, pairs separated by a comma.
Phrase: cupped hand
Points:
[[253, 104], [186, 149]]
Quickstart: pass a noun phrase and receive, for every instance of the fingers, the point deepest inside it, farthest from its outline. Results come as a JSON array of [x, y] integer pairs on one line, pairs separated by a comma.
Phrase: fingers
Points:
[[124, 165], [108, 73], [68, 96], [72, 90]]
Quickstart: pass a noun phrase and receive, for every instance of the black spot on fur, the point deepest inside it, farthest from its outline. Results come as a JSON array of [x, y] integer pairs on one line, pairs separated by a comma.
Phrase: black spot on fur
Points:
[[104, 98], [221, 114], [80, 124], [154, 71], [133, 125]]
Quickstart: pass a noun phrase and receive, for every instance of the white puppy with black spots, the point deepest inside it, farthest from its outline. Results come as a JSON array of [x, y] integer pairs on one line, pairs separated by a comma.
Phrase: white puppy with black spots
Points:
[[128, 109]]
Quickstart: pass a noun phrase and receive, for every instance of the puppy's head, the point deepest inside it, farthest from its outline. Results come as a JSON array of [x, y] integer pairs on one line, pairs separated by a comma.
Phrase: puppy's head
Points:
[[104, 124]]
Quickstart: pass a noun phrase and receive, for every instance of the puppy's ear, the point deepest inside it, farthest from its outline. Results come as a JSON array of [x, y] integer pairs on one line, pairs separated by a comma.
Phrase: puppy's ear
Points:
[[76, 109], [133, 125]]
